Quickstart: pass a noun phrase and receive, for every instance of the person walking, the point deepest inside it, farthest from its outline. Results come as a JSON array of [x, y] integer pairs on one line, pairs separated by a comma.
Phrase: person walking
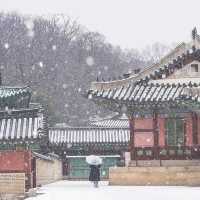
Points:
[[95, 175], [95, 163]]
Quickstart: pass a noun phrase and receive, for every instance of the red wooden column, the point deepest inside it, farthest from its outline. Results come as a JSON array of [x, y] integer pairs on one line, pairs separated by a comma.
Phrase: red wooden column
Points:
[[194, 128], [155, 134], [132, 142]]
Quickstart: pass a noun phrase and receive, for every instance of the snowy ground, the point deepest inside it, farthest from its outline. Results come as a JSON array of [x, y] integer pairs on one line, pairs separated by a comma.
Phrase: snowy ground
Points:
[[80, 190]]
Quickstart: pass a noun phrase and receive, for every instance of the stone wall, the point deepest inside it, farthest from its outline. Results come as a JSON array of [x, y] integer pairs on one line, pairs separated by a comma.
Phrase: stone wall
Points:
[[12, 183], [48, 171], [171, 175]]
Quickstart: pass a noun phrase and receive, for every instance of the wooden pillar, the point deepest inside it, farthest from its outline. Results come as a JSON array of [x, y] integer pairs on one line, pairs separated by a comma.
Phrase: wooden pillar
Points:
[[0, 79], [155, 134], [132, 142], [194, 128]]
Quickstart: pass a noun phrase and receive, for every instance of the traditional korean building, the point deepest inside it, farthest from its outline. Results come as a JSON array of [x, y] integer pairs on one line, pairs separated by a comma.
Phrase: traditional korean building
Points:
[[22, 124], [162, 103], [108, 138], [23, 130]]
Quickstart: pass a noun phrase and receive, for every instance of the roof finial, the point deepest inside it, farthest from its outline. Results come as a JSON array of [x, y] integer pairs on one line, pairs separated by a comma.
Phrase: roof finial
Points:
[[194, 33]]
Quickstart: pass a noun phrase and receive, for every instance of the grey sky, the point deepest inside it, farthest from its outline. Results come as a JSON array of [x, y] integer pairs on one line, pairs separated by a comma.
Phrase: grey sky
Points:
[[128, 23]]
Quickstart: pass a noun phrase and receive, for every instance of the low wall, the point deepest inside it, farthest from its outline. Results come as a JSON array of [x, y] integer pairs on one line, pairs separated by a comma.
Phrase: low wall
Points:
[[163, 163], [188, 176], [48, 171], [12, 183]]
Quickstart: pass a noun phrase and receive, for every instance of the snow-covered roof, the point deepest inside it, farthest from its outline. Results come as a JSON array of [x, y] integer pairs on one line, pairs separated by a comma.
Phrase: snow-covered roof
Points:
[[114, 122], [14, 97], [21, 125], [152, 92], [88, 135], [176, 81]]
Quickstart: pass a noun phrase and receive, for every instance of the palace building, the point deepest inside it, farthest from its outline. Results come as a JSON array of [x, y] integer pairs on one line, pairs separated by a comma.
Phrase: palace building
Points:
[[162, 103]]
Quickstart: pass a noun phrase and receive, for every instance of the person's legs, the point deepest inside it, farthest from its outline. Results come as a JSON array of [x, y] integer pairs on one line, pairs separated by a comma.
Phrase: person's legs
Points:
[[95, 184]]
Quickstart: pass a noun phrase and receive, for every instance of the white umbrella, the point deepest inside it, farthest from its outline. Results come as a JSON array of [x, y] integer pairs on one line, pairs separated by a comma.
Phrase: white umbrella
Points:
[[93, 160]]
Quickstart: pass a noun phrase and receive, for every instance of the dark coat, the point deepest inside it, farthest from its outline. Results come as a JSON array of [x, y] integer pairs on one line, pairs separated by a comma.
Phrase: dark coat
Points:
[[94, 173]]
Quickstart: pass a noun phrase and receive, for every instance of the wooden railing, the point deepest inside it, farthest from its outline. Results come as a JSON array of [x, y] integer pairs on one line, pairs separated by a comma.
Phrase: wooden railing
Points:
[[166, 153]]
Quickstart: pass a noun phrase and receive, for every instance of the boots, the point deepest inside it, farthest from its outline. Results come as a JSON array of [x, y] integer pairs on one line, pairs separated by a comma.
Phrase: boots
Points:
[[96, 184]]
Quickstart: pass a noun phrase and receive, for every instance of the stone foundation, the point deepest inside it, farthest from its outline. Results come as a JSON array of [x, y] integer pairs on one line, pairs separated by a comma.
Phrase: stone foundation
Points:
[[171, 175], [12, 183]]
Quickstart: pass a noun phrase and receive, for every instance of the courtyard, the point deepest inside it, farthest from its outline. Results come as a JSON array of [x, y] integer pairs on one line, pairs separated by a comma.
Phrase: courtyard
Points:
[[78, 190]]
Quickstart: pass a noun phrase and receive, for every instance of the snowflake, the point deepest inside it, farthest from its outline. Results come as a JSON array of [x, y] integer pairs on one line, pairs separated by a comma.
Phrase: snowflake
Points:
[[64, 86], [29, 24], [90, 61], [195, 149], [2, 67], [54, 47], [6, 45], [99, 72], [105, 68], [31, 33], [148, 140], [79, 89], [90, 96], [66, 105], [34, 93], [41, 64]]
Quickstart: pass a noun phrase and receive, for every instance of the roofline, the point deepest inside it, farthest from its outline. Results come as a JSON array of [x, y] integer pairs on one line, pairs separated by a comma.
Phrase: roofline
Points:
[[14, 87], [178, 51], [86, 128]]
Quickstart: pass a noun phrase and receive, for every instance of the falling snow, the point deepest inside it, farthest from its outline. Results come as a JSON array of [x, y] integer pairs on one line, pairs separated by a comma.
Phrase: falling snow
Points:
[[105, 68], [6, 45], [64, 86], [90, 61], [29, 24], [41, 64], [54, 47]]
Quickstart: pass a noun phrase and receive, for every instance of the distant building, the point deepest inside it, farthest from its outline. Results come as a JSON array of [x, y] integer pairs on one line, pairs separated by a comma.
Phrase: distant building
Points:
[[108, 138]]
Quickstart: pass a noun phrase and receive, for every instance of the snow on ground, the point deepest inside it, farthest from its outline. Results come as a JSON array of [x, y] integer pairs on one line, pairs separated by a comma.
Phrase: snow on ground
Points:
[[80, 190]]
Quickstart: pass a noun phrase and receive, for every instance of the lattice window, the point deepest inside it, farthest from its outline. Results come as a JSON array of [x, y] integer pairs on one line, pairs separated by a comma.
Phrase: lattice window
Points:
[[174, 132]]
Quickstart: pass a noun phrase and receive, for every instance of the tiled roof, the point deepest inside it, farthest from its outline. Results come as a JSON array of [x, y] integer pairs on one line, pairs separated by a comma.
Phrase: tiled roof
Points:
[[153, 92], [20, 126], [161, 71], [88, 135], [115, 122], [14, 97]]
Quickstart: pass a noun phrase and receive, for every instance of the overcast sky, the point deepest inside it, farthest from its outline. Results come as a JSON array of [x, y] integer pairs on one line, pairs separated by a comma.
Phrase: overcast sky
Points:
[[128, 23]]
